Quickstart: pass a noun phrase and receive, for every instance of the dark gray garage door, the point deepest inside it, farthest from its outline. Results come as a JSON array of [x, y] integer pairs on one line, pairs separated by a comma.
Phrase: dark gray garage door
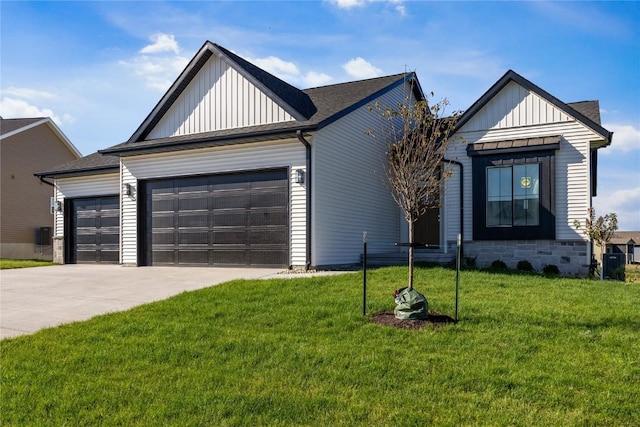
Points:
[[222, 220], [95, 236]]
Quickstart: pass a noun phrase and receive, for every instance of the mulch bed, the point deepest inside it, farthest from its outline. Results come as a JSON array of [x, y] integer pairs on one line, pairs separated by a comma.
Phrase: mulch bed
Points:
[[387, 318]]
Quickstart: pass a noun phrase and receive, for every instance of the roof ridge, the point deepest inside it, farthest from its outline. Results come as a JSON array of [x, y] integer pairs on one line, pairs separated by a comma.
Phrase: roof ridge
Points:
[[356, 81]]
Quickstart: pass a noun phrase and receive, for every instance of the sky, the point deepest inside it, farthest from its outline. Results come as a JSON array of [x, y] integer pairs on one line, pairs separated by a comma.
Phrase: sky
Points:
[[98, 68]]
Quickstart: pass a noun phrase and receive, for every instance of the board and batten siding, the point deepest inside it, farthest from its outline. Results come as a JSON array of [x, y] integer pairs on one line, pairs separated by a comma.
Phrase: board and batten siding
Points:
[[83, 186], [350, 194], [288, 153], [218, 98], [527, 120]]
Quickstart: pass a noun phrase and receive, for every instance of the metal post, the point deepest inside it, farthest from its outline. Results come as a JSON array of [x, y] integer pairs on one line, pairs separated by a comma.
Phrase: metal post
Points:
[[458, 273], [364, 273]]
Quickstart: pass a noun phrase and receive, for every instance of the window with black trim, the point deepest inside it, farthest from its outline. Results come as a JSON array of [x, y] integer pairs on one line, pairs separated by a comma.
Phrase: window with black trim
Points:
[[513, 195]]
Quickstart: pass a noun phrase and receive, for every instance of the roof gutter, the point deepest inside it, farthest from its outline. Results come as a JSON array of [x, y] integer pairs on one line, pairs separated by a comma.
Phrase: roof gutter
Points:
[[41, 178], [307, 146]]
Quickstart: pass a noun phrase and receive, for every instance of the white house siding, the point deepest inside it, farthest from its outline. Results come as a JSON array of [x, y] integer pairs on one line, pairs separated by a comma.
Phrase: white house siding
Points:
[[218, 98], [516, 113], [266, 155], [84, 186], [349, 193]]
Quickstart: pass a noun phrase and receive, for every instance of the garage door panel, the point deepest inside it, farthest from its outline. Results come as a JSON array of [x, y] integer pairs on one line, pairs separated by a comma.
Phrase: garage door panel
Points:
[[163, 238], [224, 216], [229, 200], [198, 220], [195, 237], [272, 237], [268, 199], [193, 256], [261, 217], [193, 202]]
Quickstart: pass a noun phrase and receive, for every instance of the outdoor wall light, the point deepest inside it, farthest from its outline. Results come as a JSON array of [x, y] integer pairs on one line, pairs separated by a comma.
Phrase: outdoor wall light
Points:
[[129, 190], [299, 176]]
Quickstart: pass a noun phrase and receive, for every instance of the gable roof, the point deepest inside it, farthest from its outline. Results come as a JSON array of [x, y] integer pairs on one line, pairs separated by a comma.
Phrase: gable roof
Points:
[[289, 97], [11, 127], [581, 111], [624, 237]]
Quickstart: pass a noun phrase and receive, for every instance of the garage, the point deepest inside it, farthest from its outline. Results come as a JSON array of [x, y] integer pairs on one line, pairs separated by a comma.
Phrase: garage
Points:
[[235, 219], [95, 225]]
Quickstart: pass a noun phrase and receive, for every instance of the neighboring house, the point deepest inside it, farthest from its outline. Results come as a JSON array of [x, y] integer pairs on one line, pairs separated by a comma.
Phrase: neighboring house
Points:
[[624, 242], [27, 146], [234, 166], [528, 170]]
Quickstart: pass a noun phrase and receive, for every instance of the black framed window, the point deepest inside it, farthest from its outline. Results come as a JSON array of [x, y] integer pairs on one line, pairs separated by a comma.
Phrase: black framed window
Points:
[[513, 194]]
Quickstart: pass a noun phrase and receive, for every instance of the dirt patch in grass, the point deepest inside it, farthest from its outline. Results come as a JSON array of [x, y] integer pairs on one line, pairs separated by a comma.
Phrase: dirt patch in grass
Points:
[[387, 318]]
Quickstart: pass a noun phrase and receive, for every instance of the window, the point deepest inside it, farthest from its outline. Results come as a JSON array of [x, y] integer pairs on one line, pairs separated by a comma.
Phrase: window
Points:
[[513, 195], [513, 192]]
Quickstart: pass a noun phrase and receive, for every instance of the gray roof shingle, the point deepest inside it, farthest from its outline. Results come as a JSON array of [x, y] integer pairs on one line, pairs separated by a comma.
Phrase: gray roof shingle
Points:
[[10, 125], [88, 165], [589, 109]]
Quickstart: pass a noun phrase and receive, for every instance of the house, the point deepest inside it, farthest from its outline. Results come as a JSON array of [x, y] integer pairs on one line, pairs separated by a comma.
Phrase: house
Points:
[[28, 145], [624, 242], [526, 171], [234, 166]]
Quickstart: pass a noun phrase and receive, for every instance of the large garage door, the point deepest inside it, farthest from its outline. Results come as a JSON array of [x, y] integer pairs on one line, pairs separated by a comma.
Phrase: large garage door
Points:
[[95, 233], [221, 220]]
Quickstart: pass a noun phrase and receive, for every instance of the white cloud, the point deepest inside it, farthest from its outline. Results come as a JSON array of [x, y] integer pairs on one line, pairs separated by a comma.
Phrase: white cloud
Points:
[[161, 43], [625, 138], [314, 79], [283, 69], [12, 108], [351, 4], [158, 64], [348, 4], [360, 69], [28, 93], [625, 203]]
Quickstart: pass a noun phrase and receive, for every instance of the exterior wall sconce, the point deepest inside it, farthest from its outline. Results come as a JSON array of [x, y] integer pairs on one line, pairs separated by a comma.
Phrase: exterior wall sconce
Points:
[[299, 176], [55, 206], [129, 190]]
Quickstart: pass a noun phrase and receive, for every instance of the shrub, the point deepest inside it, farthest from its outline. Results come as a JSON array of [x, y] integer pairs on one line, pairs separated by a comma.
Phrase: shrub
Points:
[[524, 265], [470, 263], [551, 269], [498, 265]]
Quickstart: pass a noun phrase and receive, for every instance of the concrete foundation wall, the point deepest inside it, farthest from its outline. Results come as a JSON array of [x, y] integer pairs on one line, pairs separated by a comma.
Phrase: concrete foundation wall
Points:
[[569, 256]]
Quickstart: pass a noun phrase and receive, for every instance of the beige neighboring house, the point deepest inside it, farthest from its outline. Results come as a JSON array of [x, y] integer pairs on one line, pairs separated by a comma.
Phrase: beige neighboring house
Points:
[[29, 145]]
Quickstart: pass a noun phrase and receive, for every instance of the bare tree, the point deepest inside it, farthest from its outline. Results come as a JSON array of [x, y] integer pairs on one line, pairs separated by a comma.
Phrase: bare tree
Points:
[[417, 135]]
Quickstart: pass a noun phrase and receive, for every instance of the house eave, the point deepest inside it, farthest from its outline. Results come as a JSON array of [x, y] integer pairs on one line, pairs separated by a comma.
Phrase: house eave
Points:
[[134, 149]]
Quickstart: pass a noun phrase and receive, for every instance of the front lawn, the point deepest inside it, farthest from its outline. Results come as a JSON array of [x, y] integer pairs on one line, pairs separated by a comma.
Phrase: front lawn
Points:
[[6, 264], [528, 351]]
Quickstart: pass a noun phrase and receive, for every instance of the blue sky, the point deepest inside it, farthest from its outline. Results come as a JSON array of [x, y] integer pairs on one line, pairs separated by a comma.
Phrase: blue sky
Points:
[[98, 68]]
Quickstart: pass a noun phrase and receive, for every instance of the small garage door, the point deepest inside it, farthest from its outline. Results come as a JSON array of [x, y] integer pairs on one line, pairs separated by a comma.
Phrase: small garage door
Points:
[[236, 219], [96, 230]]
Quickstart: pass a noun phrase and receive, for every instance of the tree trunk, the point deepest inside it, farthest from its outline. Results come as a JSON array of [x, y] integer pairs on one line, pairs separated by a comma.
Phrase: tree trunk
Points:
[[411, 223]]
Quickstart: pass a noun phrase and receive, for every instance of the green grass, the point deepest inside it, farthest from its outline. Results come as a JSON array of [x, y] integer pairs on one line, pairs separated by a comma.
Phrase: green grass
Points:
[[529, 350], [6, 264]]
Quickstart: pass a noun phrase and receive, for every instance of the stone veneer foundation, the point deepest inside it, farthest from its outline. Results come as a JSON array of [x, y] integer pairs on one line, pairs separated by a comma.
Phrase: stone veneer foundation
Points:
[[58, 250], [569, 256]]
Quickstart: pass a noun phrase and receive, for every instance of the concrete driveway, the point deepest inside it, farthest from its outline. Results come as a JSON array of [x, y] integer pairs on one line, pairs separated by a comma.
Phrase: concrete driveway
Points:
[[40, 297]]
